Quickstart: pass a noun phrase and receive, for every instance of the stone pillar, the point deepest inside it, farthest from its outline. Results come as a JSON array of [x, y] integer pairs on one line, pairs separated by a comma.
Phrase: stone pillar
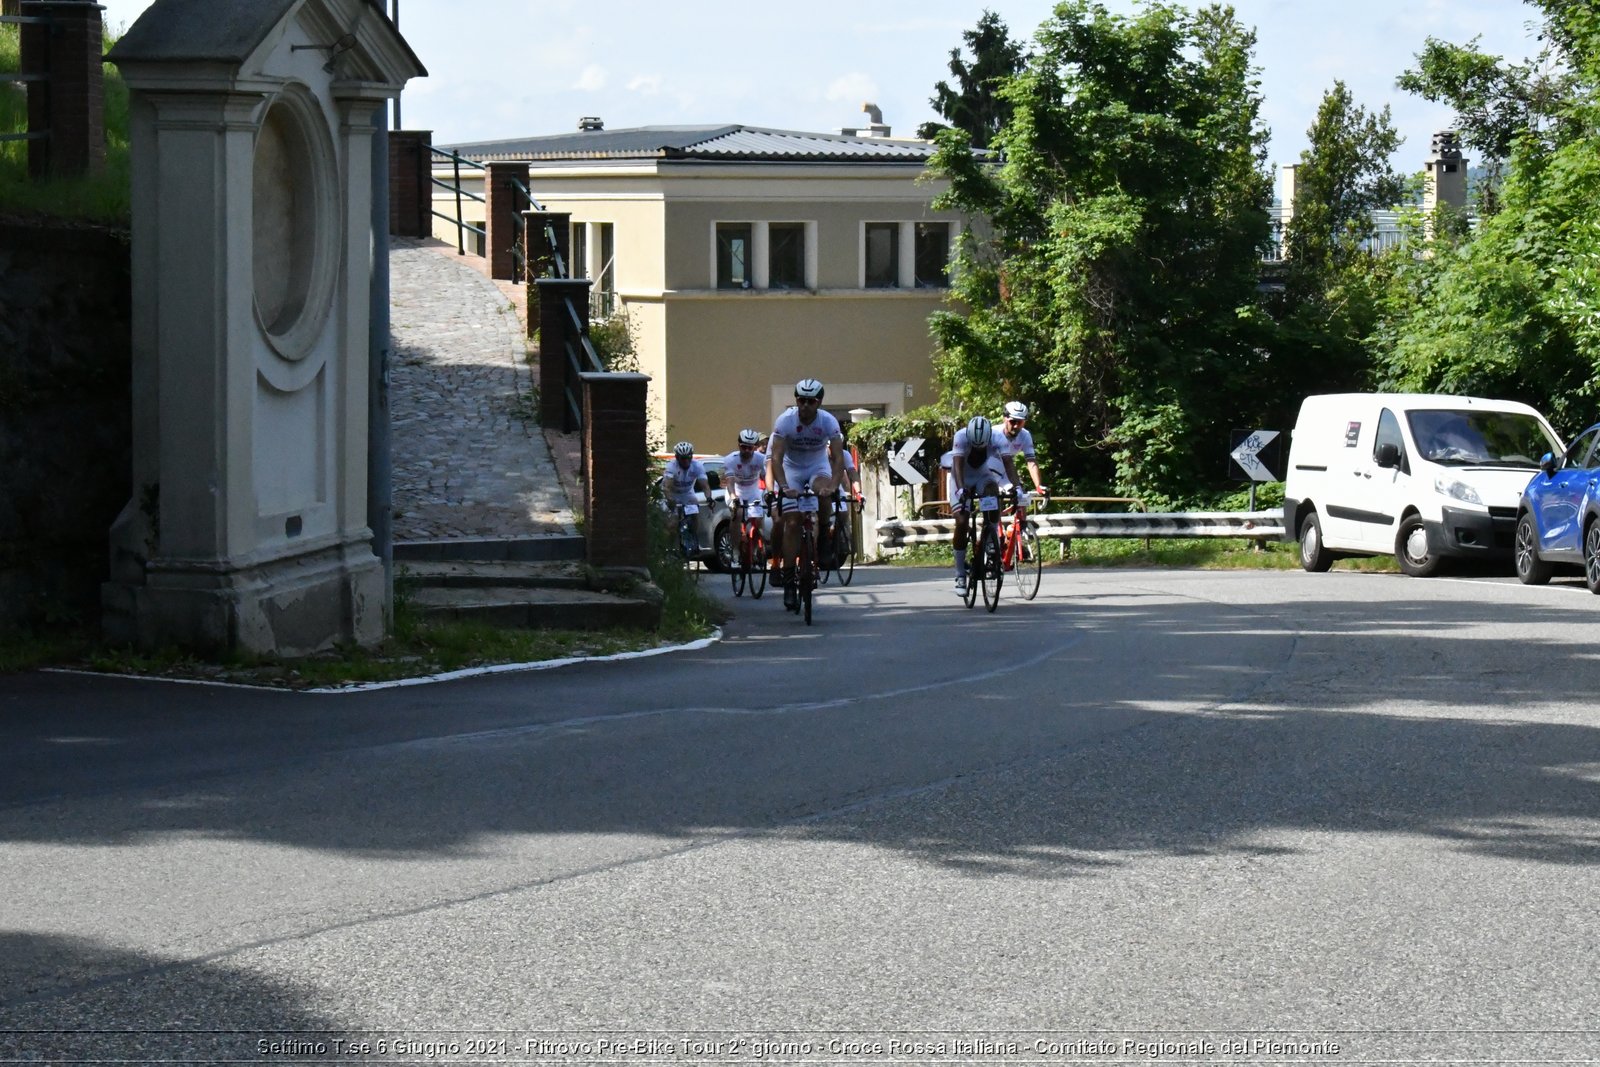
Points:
[[411, 183], [615, 471], [542, 253], [252, 242], [556, 330], [502, 208], [71, 105]]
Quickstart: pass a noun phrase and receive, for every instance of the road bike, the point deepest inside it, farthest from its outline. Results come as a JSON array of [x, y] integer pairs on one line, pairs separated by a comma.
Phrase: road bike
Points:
[[1019, 546], [843, 558], [686, 542], [985, 571], [807, 572], [749, 571]]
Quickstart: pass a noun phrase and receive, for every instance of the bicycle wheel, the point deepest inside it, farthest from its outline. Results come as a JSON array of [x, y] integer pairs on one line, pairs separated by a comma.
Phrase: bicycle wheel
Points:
[[739, 572], [847, 565], [686, 550], [758, 564], [970, 597], [807, 578], [990, 573], [1029, 564]]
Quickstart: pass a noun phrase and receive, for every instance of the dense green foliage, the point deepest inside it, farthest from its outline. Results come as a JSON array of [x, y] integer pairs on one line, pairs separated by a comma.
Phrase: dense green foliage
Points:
[[974, 104], [1116, 280], [1515, 310], [1117, 292]]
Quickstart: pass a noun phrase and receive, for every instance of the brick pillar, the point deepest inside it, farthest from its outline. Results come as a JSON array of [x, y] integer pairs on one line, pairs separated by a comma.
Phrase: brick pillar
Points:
[[411, 183], [615, 470], [71, 105], [501, 210], [541, 253], [557, 327]]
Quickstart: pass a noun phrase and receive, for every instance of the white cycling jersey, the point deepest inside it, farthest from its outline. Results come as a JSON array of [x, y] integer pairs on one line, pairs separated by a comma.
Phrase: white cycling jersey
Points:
[[805, 447], [678, 481], [745, 474], [1020, 445]]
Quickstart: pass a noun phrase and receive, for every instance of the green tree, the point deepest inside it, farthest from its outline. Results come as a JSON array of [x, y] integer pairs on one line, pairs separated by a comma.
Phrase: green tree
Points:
[[1515, 311], [974, 103], [1116, 286], [1329, 305], [1497, 104]]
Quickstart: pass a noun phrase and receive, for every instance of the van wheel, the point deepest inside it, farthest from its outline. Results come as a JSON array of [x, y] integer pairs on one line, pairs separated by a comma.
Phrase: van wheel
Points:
[[1531, 570], [1313, 556], [1411, 549]]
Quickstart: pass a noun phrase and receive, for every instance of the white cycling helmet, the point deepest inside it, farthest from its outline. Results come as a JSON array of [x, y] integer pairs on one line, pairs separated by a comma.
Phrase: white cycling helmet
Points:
[[809, 388], [1016, 409], [683, 450], [749, 437], [979, 431]]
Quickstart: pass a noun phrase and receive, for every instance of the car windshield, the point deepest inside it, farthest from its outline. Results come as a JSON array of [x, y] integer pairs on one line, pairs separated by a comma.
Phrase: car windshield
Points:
[[1475, 438]]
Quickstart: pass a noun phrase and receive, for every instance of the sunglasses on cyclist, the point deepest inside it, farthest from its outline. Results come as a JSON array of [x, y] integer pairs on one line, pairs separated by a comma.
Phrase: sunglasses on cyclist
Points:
[[806, 400]]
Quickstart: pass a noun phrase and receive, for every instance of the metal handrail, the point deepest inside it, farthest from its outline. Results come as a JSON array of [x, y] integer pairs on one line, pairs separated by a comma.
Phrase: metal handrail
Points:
[[26, 78]]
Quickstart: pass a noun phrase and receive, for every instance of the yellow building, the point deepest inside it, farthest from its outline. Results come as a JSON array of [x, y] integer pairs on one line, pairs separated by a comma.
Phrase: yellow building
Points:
[[749, 258]]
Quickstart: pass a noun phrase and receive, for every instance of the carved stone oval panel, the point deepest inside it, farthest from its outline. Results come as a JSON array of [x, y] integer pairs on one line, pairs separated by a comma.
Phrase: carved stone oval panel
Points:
[[295, 235]]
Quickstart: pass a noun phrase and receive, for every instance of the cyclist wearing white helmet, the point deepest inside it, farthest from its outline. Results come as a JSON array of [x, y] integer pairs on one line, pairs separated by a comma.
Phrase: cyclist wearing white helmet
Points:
[[684, 476], [977, 467], [805, 449], [744, 467], [1015, 440]]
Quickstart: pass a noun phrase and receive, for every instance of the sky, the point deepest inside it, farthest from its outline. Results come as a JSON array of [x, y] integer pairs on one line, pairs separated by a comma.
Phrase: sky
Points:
[[518, 68]]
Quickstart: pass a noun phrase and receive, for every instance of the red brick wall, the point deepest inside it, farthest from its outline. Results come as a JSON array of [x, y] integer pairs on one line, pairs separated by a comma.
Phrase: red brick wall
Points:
[[615, 470], [71, 105], [410, 183]]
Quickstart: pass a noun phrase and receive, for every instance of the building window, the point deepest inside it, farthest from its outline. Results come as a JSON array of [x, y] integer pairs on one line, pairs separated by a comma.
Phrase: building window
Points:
[[882, 255], [579, 267], [605, 281], [933, 255], [734, 243], [786, 255]]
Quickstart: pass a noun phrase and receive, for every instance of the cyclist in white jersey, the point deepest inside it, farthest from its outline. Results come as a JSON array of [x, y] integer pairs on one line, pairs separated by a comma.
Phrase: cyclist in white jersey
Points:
[[978, 468], [1015, 440], [804, 449], [745, 468], [683, 477]]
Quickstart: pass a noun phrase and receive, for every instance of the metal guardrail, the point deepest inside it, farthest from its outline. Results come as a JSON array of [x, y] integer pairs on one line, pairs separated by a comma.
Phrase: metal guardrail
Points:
[[1251, 525]]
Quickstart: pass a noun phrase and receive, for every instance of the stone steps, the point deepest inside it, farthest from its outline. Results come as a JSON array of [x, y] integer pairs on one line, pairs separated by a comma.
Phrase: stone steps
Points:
[[530, 583]]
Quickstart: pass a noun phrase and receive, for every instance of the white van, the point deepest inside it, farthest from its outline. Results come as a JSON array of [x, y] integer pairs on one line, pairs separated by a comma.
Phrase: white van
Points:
[[1423, 476]]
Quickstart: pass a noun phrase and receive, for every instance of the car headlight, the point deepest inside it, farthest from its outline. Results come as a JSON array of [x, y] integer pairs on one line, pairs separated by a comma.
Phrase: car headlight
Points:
[[1457, 491]]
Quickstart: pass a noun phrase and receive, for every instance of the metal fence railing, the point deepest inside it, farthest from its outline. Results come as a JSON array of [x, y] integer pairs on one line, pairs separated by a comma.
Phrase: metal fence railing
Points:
[[25, 78], [579, 352]]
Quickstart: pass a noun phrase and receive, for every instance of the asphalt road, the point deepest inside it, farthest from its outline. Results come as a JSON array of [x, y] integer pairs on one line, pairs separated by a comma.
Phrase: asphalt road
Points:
[[1154, 815]]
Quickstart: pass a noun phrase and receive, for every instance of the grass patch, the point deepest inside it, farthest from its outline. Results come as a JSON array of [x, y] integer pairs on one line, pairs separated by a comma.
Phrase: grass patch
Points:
[[417, 648], [103, 197]]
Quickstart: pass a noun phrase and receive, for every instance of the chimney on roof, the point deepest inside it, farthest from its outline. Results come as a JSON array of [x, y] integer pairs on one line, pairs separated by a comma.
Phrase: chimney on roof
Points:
[[874, 129], [591, 122]]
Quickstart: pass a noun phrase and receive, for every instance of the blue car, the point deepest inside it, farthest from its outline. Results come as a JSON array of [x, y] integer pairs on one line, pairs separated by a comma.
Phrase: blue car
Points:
[[1558, 518]]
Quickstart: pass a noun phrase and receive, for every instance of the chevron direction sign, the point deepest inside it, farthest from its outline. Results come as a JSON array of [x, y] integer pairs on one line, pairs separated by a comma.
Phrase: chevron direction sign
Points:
[[1248, 454], [903, 468]]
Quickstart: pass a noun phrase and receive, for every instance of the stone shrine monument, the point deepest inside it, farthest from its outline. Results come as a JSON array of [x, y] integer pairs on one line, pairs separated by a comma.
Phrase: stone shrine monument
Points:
[[252, 143]]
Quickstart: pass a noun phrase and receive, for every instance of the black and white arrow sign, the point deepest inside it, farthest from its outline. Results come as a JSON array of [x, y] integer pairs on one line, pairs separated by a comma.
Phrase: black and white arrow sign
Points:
[[1246, 455], [900, 461]]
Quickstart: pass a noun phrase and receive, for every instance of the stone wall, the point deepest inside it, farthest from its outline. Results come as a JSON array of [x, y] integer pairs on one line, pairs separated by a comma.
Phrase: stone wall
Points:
[[65, 418]]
